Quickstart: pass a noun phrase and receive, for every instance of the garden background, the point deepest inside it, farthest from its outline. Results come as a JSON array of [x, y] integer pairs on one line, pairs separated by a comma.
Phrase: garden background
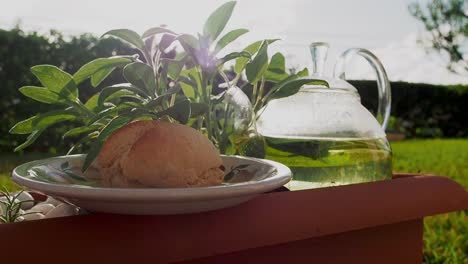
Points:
[[431, 117]]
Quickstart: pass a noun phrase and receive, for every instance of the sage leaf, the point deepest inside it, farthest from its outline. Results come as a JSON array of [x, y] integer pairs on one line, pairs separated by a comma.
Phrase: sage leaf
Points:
[[141, 75], [101, 75], [291, 87], [174, 67], [166, 41], [42, 95], [23, 127], [81, 130], [277, 63], [112, 126], [100, 67], [50, 118], [234, 55], [188, 89], [156, 30], [198, 109], [56, 81], [31, 138], [229, 37], [252, 49], [128, 36], [216, 22], [92, 103], [303, 73], [258, 66], [112, 111], [180, 111], [116, 91]]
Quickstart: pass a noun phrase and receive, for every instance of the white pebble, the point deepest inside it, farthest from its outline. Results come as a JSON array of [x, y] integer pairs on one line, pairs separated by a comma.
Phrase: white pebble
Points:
[[62, 210], [42, 208], [52, 201], [19, 219], [25, 196], [35, 216]]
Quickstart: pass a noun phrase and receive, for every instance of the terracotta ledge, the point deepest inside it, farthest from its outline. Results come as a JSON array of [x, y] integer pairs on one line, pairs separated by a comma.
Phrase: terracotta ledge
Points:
[[271, 219]]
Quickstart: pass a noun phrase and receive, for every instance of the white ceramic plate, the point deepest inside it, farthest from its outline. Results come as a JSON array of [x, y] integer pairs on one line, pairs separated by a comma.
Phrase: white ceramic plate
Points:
[[61, 177]]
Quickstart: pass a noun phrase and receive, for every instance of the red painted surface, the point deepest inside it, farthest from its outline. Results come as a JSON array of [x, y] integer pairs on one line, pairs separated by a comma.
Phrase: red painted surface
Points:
[[360, 223]]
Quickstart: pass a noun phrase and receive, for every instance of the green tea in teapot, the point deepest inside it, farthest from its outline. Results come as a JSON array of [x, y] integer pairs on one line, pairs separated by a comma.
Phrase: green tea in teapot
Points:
[[322, 162]]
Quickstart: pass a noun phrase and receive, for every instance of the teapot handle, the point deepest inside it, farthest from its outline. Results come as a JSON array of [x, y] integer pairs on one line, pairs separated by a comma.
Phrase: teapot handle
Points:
[[383, 110]]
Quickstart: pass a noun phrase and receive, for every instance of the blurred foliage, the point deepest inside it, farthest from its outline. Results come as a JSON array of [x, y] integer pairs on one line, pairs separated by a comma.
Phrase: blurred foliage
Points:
[[19, 51], [447, 23], [422, 110]]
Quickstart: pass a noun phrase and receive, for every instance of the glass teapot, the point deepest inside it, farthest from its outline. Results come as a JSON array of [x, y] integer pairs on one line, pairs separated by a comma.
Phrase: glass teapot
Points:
[[324, 134]]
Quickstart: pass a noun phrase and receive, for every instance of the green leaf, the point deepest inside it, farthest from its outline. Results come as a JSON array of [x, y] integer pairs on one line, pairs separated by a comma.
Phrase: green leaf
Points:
[[166, 41], [275, 77], [234, 55], [50, 118], [127, 86], [189, 42], [277, 63], [216, 22], [188, 90], [141, 75], [180, 111], [111, 112], [192, 77], [80, 130], [112, 126], [303, 73], [92, 103], [23, 127], [37, 124], [31, 138], [110, 94], [198, 109], [129, 36], [156, 30], [82, 141], [159, 101], [229, 37], [100, 67], [56, 80], [42, 121], [252, 49], [258, 66], [100, 76], [291, 87], [173, 67], [41, 94]]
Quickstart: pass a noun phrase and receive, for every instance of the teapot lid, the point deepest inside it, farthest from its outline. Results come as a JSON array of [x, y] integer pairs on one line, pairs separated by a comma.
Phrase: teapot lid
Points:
[[318, 52]]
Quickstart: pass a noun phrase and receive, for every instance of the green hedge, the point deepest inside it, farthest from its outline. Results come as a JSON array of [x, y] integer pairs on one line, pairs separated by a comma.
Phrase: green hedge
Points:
[[423, 110], [420, 109], [19, 51]]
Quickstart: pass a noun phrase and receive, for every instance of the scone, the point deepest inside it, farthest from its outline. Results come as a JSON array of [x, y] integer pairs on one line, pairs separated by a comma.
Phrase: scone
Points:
[[159, 154]]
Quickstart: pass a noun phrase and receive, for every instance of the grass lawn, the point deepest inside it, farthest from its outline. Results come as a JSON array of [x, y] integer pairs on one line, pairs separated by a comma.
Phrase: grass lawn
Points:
[[445, 236]]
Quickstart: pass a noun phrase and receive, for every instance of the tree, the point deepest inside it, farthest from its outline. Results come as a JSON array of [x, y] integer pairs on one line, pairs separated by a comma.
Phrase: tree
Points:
[[447, 24]]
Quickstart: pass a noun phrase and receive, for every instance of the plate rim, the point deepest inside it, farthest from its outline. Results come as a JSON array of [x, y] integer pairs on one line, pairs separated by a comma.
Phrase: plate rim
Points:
[[282, 176]]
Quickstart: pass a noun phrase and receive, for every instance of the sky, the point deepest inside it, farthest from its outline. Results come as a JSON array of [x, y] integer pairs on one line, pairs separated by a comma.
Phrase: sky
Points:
[[385, 27]]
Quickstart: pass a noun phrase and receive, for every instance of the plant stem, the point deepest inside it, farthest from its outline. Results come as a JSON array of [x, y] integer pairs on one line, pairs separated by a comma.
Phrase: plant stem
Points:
[[156, 73], [206, 99], [254, 94], [81, 108], [260, 92]]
